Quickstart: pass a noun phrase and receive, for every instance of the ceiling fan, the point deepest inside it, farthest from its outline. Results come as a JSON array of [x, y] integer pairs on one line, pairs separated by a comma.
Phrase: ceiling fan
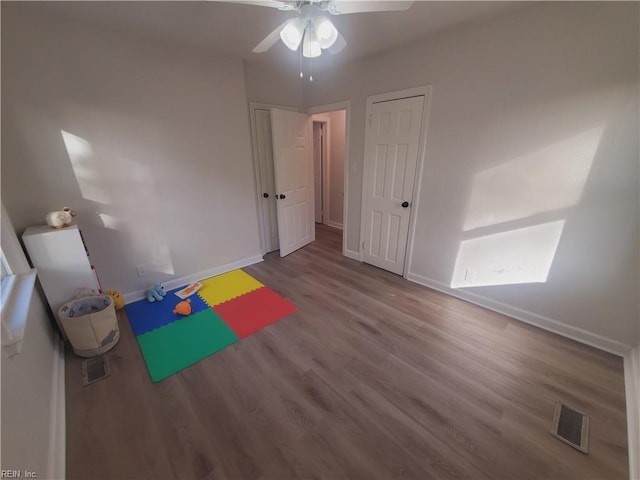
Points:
[[311, 28]]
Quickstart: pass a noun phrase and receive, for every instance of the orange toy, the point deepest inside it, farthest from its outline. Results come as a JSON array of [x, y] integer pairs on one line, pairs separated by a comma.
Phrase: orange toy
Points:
[[183, 308]]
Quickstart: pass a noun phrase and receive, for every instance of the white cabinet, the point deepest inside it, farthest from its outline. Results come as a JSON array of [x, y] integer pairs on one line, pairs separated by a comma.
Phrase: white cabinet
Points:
[[62, 262]]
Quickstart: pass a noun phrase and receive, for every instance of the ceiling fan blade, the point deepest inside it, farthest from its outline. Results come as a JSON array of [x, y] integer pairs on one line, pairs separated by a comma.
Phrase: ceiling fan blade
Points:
[[340, 7], [262, 3], [286, 5], [339, 44], [270, 39]]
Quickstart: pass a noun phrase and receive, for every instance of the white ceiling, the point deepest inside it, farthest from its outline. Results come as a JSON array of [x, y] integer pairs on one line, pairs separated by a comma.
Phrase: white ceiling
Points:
[[234, 28]]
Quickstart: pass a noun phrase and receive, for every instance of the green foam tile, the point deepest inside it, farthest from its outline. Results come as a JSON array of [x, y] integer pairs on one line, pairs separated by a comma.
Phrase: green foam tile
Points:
[[175, 346]]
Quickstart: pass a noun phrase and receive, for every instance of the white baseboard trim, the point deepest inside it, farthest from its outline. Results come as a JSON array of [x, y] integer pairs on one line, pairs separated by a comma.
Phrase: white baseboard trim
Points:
[[569, 331], [179, 282], [334, 224], [632, 393], [631, 356], [56, 464], [351, 254]]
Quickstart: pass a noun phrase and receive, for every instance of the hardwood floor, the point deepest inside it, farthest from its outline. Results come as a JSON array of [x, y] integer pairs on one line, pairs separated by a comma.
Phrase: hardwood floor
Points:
[[372, 377]]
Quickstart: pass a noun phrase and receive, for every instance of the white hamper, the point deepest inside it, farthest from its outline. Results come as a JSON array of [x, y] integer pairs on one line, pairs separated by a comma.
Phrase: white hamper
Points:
[[91, 324]]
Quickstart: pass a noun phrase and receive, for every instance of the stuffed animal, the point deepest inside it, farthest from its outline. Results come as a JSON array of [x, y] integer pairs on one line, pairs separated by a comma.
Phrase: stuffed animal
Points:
[[60, 219], [183, 308], [118, 299], [156, 292]]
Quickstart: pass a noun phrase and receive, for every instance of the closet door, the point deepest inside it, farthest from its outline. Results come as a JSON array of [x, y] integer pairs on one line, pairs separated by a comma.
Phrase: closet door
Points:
[[266, 180], [391, 154]]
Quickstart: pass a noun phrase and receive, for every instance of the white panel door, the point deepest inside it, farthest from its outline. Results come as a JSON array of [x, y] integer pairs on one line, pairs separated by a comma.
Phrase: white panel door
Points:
[[267, 200], [391, 155], [293, 162]]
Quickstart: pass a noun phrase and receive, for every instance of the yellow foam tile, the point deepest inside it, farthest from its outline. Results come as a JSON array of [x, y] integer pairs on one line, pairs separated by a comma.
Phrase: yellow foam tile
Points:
[[222, 288]]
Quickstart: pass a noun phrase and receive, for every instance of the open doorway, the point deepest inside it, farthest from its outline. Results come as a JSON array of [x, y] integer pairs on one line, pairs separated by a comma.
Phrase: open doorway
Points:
[[329, 150], [333, 170]]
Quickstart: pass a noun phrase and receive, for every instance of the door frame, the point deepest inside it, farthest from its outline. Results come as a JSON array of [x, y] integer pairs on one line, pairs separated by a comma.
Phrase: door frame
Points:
[[425, 91], [326, 164], [331, 107], [253, 106]]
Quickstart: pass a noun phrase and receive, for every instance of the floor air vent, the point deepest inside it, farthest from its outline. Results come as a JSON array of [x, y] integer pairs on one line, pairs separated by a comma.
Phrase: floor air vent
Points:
[[94, 369], [571, 427]]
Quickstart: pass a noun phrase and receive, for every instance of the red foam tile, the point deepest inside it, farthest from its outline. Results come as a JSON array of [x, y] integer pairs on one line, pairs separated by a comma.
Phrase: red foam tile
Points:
[[253, 311]]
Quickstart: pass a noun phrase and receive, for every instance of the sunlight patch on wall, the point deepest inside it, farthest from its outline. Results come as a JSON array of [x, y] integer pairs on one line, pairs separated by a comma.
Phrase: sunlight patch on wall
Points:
[[517, 256], [160, 259], [547, 179], [128, 202], [86, 168], [110, 222], [144, 210]]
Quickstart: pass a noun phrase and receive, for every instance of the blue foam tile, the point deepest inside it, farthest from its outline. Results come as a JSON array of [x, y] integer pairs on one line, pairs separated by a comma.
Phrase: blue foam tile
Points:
[[145, 316]]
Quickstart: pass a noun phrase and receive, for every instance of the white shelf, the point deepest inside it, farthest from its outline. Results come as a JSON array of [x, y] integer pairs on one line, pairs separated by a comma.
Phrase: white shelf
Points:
[[62, 262]]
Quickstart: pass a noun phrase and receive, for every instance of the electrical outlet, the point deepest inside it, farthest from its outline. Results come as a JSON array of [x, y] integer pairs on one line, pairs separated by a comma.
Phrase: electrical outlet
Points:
[[142, 270], [470, 275]]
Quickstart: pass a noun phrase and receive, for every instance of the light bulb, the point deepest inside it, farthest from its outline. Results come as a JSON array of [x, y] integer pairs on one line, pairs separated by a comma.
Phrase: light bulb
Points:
[[325, 31], [292, 32], [310, 45]]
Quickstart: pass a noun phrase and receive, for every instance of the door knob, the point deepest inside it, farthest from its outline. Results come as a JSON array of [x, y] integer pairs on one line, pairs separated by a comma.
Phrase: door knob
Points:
[[405, 204], [282, 196], [265, 195]]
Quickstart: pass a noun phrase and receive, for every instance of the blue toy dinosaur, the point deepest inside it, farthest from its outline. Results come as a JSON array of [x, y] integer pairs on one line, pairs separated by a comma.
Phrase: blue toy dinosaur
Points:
[[156, 292]]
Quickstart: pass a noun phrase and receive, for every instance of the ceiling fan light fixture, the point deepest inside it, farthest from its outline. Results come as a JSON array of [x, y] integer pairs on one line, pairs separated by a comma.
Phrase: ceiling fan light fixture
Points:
[[292, 33], [310, 45], [325, 31]]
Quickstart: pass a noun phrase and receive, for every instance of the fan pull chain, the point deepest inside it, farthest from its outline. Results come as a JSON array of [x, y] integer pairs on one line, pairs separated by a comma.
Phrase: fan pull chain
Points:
[[301, 74], [311, 69]]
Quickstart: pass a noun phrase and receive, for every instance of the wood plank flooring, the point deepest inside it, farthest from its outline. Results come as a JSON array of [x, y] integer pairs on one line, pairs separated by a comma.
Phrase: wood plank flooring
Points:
[[372, 378]]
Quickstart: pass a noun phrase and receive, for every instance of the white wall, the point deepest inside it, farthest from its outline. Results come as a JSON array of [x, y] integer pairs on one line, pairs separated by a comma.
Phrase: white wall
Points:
[[29, 386], [632, 387], [148, 142], [534, 120], [32, 387], [277, 86]]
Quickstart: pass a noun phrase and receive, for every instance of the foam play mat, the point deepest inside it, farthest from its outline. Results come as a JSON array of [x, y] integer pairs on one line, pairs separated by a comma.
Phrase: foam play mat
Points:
[[225, 309]]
